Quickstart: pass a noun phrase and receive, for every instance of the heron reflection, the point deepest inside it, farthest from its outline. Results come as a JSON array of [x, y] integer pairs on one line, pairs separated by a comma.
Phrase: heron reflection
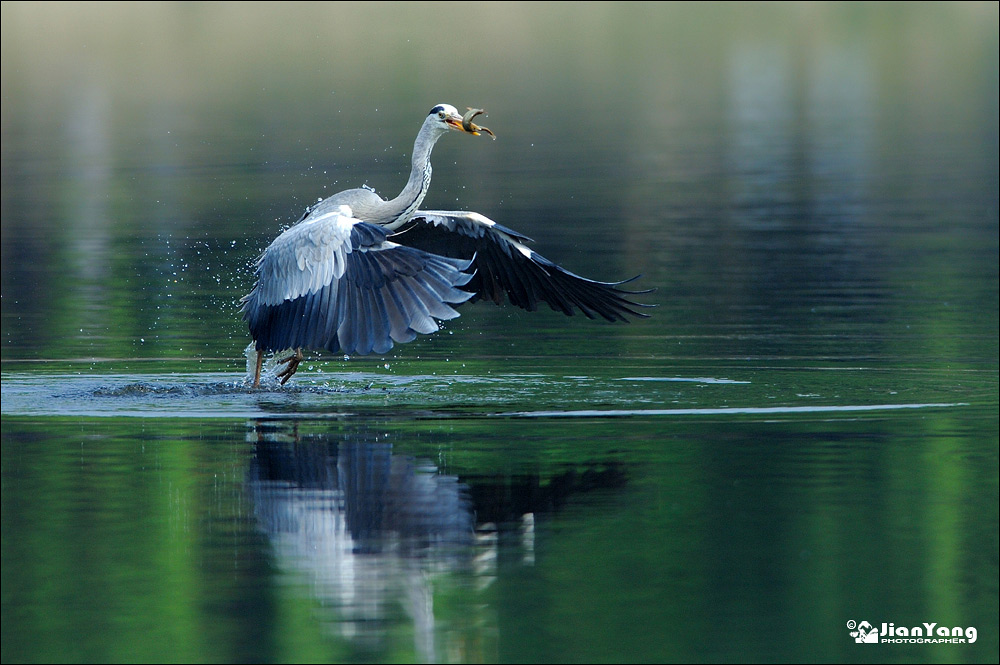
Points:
[[366, 526], [372, 530]]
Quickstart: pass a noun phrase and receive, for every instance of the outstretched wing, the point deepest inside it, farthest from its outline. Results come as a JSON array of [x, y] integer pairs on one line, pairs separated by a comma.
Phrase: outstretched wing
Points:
[[334, 282], [504, 264]]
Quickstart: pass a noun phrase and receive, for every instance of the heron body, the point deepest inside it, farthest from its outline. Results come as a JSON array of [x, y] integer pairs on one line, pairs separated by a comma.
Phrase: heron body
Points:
[[357, 273]]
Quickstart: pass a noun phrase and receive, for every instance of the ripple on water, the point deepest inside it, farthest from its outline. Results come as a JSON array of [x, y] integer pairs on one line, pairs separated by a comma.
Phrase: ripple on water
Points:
[[145, 389], [218, 395]]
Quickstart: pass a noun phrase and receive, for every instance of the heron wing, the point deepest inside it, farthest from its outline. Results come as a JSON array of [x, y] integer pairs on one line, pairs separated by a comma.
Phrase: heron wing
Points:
[[334, 282], [306, 257], [504, 264]]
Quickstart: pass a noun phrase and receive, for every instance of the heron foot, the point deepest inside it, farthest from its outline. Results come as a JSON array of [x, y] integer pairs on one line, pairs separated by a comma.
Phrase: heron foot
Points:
[[291, 365], [256, 374]]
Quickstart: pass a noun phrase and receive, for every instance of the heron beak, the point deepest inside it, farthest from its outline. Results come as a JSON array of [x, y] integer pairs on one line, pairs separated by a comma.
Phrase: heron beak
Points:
[[455, 122]]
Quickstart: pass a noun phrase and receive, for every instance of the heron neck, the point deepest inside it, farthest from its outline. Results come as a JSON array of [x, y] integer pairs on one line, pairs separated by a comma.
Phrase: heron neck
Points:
[[400, 209]]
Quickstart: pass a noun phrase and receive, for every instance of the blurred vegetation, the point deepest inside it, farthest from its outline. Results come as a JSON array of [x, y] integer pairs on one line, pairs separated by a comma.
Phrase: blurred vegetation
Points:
[[823, 172]]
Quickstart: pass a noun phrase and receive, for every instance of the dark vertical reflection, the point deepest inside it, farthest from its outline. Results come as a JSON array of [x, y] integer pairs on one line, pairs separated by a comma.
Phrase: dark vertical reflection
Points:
[[373, 532]]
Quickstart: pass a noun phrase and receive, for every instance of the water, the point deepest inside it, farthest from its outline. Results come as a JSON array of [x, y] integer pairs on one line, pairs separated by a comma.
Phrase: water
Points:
[[803, 434], [349, 536]]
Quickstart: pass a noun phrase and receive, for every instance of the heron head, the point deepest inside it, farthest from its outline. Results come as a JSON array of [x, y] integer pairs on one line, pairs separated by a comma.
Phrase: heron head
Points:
[[445, 117]]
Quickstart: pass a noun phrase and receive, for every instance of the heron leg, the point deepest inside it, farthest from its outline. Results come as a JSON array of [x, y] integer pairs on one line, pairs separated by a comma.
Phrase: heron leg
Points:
[[256, 374], [291, 365]]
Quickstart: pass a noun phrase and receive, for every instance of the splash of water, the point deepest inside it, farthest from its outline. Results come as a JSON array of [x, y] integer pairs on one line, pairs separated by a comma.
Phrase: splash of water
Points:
[[268, 371]]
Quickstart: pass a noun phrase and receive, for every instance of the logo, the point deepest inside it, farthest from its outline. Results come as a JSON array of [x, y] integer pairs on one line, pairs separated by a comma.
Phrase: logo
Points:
[[926, 633], [863, 633]]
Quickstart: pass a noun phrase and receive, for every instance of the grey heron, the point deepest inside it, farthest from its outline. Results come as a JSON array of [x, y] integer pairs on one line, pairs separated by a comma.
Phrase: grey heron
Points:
[[357, 272]]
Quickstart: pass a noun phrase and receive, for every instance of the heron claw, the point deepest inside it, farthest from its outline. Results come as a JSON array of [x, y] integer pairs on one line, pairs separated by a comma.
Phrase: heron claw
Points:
[[292, 364]]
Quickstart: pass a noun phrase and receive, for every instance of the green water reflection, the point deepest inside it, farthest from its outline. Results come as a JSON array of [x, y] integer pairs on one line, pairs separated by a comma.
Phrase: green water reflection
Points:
[[198, 540]]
